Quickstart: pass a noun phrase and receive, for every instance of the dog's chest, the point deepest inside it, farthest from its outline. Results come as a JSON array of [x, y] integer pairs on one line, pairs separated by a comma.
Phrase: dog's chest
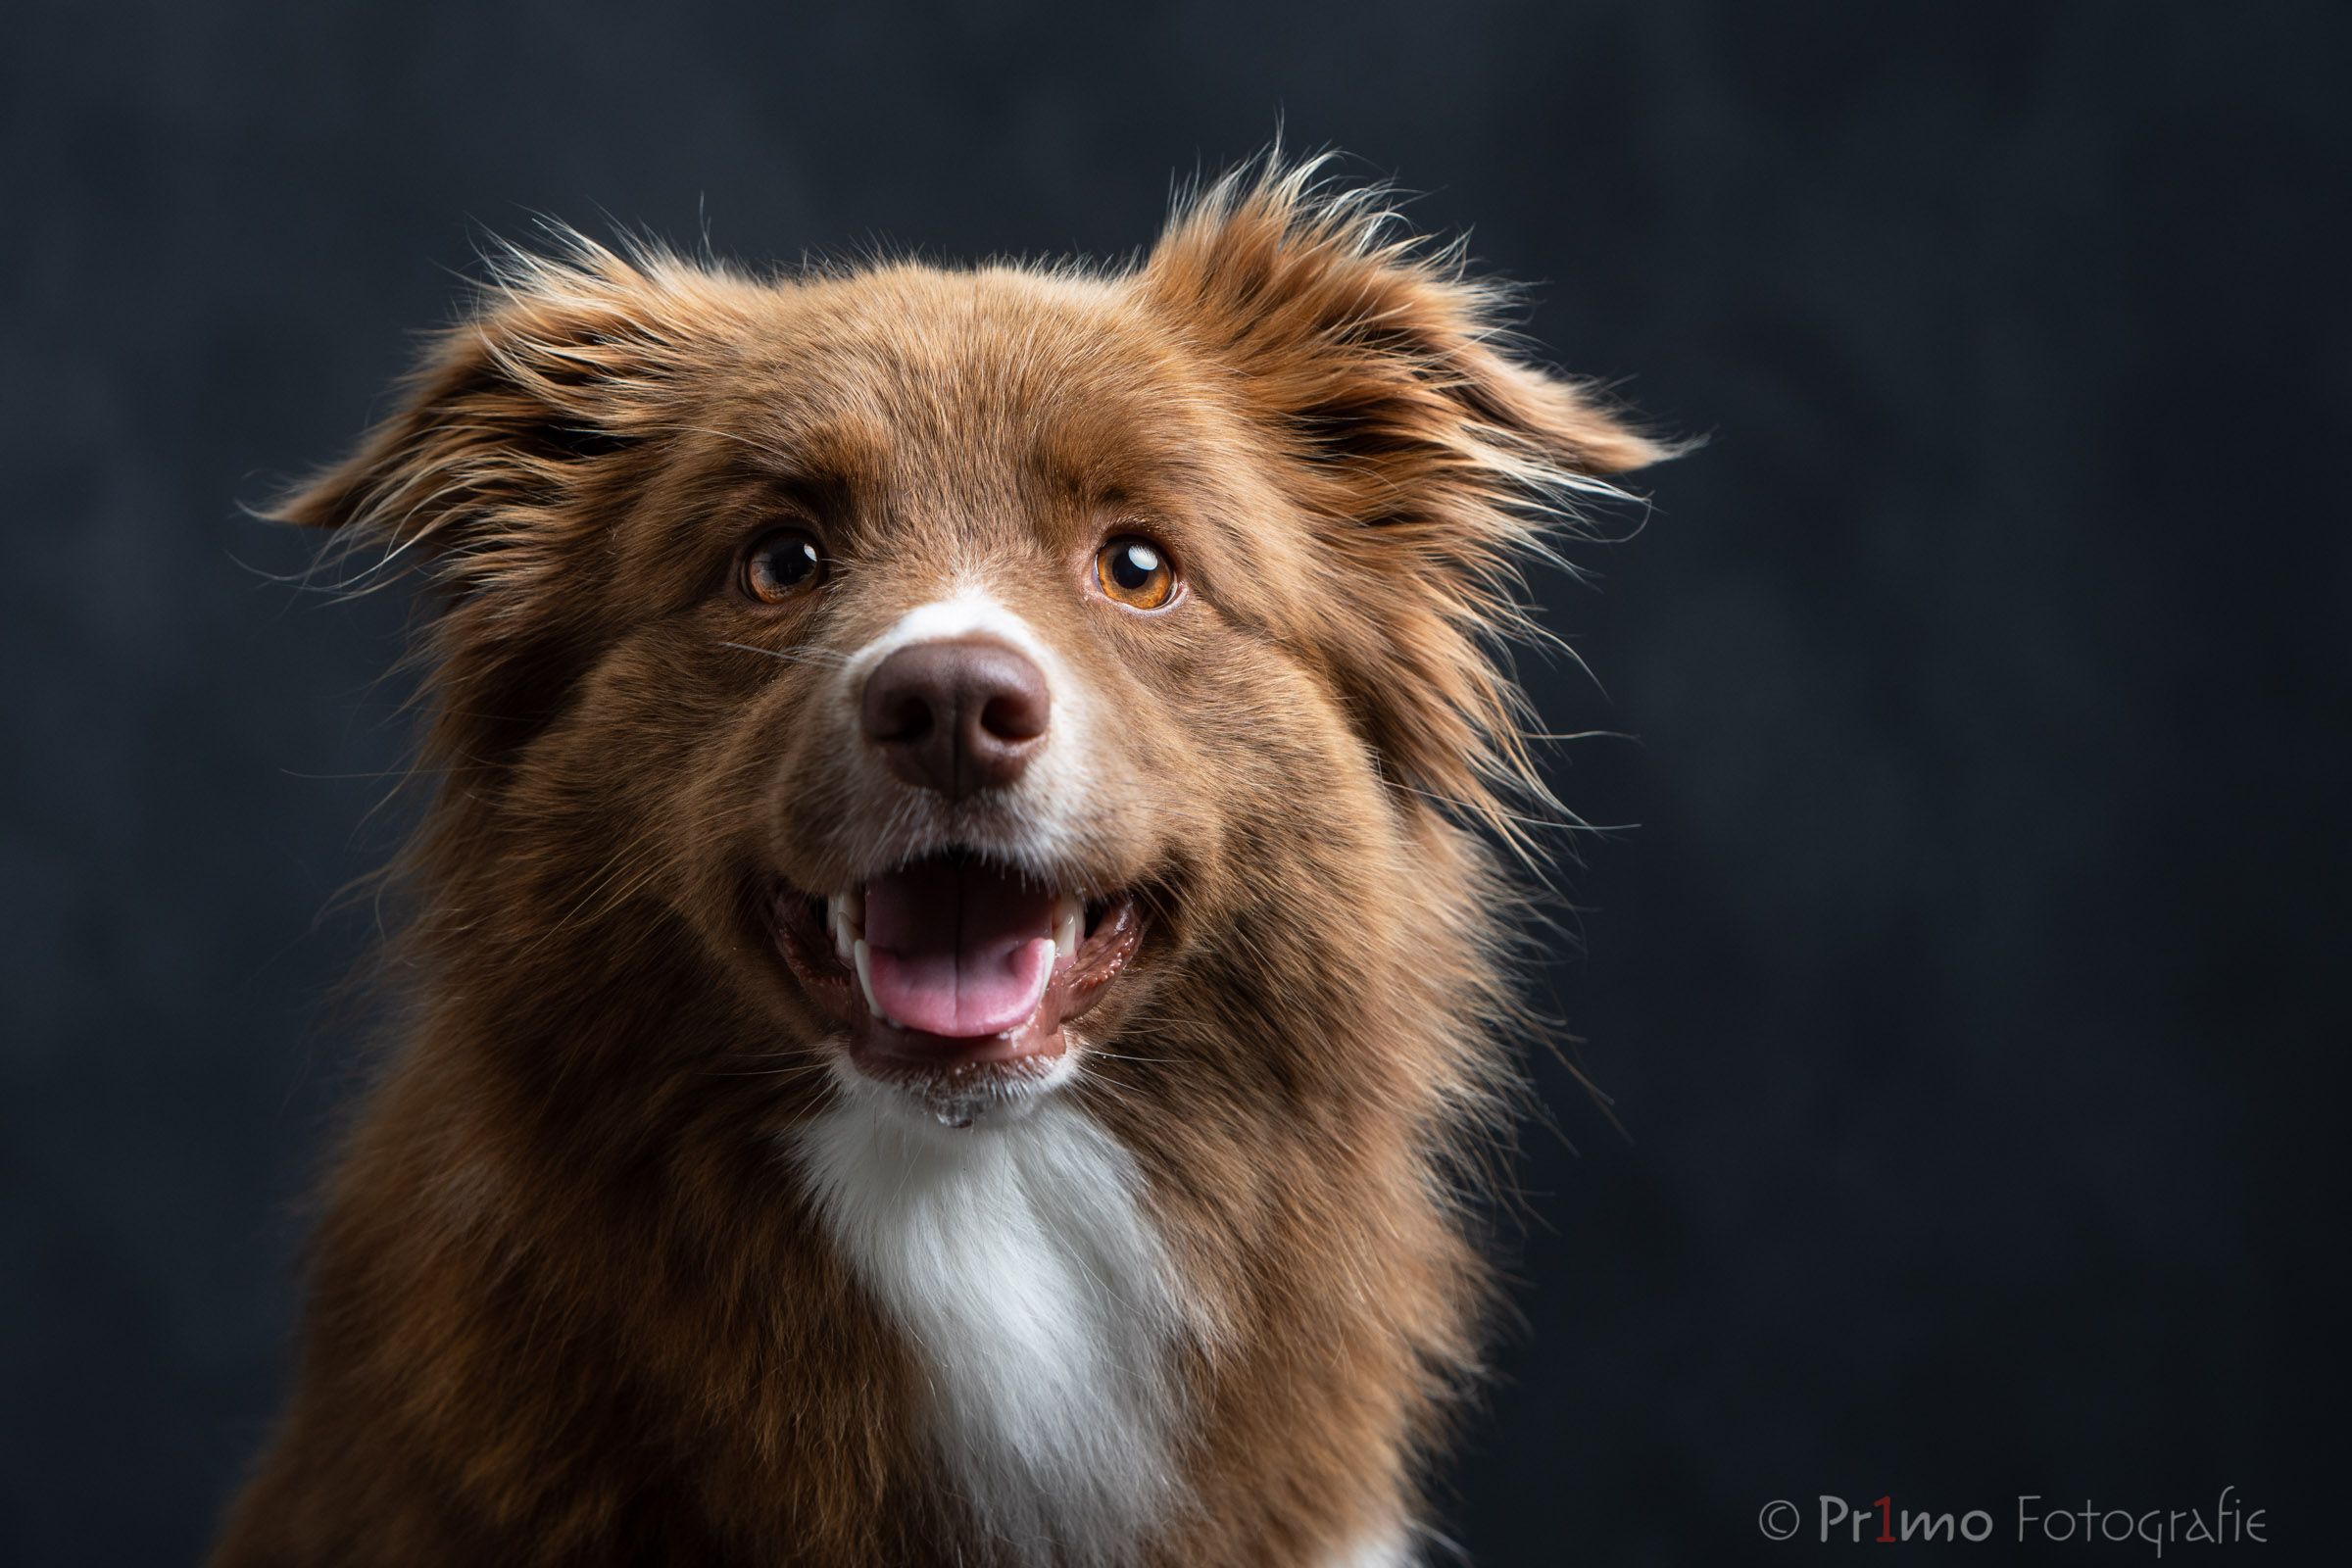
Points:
[[1020, 1262]]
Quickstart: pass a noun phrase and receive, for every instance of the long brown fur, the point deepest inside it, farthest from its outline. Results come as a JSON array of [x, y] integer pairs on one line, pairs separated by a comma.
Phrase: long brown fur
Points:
[[571, 1304]]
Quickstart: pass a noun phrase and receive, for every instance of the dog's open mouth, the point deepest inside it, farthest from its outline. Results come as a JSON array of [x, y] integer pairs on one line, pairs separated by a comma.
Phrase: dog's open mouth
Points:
[[956, 967]]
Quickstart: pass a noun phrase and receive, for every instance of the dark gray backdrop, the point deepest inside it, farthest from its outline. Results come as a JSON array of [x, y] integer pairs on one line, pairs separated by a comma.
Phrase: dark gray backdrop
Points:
[[1972, 987]]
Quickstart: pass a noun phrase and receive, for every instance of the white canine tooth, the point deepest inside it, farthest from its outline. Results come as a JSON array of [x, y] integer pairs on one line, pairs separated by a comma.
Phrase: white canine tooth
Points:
[[1069, 920], [862, 957], [846, 912]]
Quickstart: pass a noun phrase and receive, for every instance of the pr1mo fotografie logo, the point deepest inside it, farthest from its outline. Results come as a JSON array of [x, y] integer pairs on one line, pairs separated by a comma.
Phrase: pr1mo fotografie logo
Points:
[[2230, 1522]]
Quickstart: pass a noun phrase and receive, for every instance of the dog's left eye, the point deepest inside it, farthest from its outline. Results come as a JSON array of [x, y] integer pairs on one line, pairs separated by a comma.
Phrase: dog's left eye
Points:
[[1135, 573], [783, 565]]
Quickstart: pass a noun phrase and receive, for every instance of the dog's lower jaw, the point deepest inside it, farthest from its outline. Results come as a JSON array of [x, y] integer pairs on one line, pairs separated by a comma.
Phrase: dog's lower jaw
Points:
[[957, 1096]]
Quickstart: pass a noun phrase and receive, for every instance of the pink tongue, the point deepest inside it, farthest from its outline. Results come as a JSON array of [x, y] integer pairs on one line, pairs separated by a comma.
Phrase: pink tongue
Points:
[[959, 950]]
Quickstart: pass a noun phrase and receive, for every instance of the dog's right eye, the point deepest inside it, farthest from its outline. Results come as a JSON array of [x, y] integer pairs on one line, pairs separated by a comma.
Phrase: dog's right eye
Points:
[[782, 566]]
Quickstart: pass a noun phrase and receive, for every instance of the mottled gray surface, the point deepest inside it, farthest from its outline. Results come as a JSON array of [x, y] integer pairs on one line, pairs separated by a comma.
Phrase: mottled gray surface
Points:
[[1972, 987]]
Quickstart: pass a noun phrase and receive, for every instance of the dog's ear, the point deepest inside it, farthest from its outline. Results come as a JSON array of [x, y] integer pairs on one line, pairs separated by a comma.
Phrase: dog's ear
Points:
[[517, 415], [1428, 460], [1364, 342], [514, 445]]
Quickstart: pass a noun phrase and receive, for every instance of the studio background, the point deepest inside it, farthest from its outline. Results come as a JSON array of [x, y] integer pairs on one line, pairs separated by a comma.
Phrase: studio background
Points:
[[1971, 989]]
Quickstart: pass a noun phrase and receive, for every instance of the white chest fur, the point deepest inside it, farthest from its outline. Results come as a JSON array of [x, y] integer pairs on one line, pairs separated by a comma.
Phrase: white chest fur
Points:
[[1018, 1259]]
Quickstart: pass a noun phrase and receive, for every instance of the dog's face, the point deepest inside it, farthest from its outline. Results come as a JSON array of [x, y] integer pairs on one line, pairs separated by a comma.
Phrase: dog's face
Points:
[[971, 660], [968, 673]]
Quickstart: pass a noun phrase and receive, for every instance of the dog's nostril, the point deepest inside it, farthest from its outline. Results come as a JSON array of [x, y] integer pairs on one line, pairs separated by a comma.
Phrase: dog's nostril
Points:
[[956, 716], [1016, 715], [909, 720]]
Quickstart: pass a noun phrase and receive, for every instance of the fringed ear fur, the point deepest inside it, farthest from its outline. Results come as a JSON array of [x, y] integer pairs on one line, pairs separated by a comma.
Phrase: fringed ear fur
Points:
[[506, 425], [509, 454], [1431, 461]]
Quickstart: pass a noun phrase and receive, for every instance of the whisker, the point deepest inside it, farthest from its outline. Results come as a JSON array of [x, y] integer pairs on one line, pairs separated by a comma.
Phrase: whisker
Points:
[[805, 654]]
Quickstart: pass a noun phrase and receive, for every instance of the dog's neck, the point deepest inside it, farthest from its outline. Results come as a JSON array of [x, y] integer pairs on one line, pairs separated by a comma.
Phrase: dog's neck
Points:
[[1018, 1259]]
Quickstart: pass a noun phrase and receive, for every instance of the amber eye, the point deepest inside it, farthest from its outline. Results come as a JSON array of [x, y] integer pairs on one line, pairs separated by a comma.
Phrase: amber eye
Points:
[[1136, 572], [783, 565]]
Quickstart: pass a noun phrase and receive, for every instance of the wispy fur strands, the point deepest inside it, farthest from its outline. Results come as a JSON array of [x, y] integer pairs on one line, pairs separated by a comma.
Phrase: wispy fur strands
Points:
[[633, 1254], [1431, 457]]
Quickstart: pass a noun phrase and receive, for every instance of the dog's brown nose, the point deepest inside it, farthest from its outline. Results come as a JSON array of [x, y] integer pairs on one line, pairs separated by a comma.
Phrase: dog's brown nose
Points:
[[956, 716]]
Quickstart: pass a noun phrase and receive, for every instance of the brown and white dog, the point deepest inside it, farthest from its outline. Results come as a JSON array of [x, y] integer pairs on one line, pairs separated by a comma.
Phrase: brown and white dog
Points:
[[954, 963]]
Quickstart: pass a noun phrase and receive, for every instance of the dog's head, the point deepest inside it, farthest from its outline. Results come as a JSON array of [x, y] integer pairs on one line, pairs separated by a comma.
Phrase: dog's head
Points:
[[968, 659]]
